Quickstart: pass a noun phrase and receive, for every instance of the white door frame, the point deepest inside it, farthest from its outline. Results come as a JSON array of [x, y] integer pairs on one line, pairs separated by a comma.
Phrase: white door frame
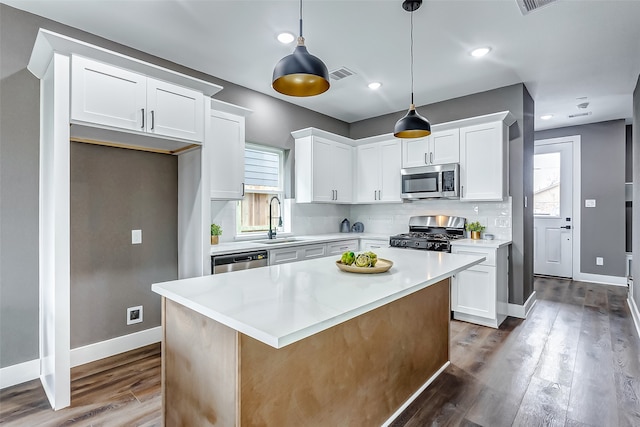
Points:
[[576, 197]]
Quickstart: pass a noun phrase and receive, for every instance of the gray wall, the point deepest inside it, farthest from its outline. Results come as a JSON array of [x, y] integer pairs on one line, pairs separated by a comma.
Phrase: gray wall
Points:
[[516, 99], [602, 231], [271, 124], [114, 191], [636, 194]]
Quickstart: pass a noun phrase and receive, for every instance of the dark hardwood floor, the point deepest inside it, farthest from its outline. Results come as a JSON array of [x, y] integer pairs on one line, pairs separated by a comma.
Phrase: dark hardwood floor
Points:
[[574, 362]]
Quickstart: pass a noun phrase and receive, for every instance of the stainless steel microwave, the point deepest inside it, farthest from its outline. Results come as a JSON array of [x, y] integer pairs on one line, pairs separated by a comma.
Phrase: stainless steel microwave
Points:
[[426, 182]]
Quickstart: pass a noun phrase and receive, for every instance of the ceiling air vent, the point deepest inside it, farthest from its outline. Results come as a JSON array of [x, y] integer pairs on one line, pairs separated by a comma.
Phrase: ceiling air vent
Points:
[[341, 73], [527, 6]]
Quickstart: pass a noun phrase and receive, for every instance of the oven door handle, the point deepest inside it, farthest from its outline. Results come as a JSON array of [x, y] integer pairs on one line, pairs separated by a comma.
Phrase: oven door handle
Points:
[[440, 183]]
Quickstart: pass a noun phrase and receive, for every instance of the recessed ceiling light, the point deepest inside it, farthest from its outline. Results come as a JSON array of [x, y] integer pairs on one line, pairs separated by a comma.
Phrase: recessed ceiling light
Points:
[[546, 116], [374, 85], [286, 38], [481, 51]]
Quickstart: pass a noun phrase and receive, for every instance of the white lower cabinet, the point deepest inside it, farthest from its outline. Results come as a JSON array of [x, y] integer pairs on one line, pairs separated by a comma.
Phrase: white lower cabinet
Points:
[[480, 293], [315, 250], [296, 253]]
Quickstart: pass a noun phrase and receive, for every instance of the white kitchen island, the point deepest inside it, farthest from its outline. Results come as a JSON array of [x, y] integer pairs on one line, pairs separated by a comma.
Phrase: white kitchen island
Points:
[[305, 343]]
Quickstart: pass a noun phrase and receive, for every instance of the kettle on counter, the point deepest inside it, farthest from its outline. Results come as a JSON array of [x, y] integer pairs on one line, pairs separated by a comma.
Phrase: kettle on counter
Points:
[[345, 226]]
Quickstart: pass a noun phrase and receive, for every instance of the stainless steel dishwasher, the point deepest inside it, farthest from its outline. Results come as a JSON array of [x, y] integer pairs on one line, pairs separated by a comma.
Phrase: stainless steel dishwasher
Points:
[[238, 261]]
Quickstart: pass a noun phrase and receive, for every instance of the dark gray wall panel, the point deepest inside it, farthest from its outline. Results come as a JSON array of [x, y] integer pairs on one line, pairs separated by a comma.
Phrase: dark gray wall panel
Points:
[[514, 98], [636, 194], [602, 232], [114, 191]]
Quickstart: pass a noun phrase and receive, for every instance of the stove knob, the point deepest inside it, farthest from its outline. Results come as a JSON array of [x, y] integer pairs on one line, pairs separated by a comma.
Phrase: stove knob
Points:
[[416, 244], [404, 243]]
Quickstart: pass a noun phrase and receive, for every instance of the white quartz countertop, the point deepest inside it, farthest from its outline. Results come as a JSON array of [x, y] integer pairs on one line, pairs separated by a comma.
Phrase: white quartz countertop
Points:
[[282, 304], [252, 245], [481, 243]]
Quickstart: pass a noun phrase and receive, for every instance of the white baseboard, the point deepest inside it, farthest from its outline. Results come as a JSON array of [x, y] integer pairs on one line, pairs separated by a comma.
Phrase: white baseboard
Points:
[[19, 373], [413, 397], [102, 349], [602, 279], [522, 311], [635, 314]]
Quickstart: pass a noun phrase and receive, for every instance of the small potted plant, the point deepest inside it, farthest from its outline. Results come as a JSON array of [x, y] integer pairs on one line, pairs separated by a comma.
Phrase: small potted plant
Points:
[[475, 228], [216, 231]]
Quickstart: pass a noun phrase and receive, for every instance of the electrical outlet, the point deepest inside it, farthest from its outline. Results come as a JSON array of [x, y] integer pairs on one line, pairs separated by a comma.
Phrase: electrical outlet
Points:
[[134, 315], [590, 203], [136, 237], [599, 260]]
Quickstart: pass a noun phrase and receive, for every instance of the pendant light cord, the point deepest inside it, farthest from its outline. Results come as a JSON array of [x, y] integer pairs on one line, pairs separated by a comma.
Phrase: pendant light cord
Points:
[[300, 18], [411, 55]]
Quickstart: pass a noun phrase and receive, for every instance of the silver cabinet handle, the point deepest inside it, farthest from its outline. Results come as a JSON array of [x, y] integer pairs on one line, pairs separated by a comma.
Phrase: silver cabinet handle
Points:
[[379, 194], [153, 119], [431, 157], [375, 195], [336, 194], [243, 189], [461, 190], [142, 127], [426, 161]]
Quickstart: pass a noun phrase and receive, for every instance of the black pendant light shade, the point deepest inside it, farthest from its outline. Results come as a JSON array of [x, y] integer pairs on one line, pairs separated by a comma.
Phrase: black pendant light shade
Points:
[[300, 74], [412, 125]]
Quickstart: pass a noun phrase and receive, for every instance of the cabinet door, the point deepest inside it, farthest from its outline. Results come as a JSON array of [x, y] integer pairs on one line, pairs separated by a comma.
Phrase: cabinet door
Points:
[[473, 291], [444, 147], [108, 96], [390, 179], [322, 165], [415, 152], [174, 111], [483, 162], [226, 162], [342, 172], [368, 173], [338, 248]]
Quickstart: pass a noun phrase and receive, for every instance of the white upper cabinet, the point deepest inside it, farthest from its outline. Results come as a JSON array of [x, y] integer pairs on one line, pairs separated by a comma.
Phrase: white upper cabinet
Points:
[[226, 156], [112, 97], [483, 161], [324, 168], [442, 146], [378, 172]]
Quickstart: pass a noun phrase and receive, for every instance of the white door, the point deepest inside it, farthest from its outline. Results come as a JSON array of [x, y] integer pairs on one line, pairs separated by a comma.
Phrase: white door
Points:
[[368, 173], [552, 208], [415, 152], [323, 190], [226, 162], [342, 171], [174, 111], [390, 180], [445, 147]]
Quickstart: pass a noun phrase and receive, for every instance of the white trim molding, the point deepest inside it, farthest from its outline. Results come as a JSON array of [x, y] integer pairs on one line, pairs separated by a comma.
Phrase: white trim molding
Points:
[[19, 373], [635, 314], [413, 397], [100, 350], [522, 311], [601, 279]]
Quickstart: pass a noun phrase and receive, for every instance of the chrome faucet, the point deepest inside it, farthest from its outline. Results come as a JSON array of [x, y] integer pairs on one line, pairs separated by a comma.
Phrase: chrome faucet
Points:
[[272, 233]]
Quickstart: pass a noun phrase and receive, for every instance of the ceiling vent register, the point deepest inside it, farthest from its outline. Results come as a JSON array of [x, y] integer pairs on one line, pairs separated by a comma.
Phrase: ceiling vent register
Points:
[[341, 73], [527, 6]]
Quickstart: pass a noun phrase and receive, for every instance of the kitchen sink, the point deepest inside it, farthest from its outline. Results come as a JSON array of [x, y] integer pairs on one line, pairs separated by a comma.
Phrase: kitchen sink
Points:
[[282, 240]]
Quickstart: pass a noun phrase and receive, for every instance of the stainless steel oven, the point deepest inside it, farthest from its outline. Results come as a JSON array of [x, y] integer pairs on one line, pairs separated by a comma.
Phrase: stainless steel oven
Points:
[[426, 182]]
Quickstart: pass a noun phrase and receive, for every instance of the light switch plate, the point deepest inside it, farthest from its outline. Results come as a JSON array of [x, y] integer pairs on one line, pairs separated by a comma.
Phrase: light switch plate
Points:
[[590, 203], [599, 260], [136, 237]]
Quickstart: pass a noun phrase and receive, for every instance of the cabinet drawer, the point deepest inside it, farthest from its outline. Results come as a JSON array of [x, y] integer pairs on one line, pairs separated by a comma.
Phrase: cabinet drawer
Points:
[[489, 254], [282, 256], [313, 251], [340, 247], [372, 245]]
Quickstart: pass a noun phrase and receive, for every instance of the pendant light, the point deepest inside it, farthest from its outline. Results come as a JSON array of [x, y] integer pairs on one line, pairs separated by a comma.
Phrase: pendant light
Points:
[[300, 74], [412, 125]]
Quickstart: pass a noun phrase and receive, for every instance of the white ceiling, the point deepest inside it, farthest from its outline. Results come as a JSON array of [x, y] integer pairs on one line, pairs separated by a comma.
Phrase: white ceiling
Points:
[[562, 52]]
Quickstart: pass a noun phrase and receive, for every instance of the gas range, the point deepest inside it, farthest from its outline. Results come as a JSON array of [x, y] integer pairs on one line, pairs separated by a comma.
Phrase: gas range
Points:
[[431, 233]]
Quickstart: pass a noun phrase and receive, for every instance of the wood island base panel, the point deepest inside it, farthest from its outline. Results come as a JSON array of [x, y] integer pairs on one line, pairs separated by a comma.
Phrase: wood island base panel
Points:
[[357, 373]]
